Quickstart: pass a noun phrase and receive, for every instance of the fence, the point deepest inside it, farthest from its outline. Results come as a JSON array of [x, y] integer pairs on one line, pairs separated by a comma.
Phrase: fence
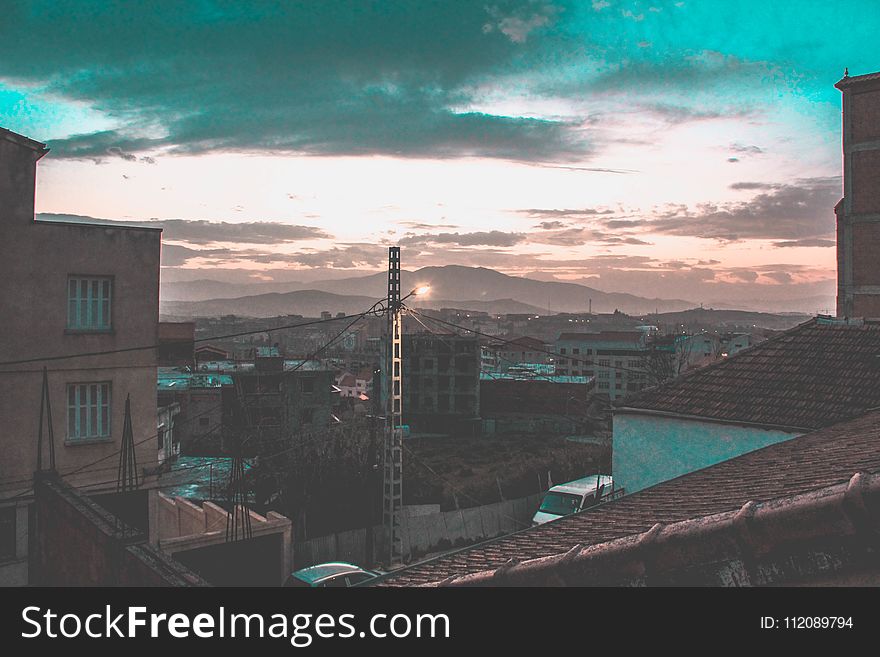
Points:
[[424, 529]]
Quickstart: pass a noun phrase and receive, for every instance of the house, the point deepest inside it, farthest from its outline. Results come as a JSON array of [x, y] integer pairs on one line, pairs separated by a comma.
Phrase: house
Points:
[[800, 512], [86, 295], [615, 358], [821, 372]]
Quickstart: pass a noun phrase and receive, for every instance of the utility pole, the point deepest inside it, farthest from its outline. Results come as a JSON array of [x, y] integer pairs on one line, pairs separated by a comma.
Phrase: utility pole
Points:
[[392, 502]]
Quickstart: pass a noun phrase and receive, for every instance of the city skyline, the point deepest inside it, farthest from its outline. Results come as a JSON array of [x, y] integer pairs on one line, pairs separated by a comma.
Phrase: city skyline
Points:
[[639, 147]]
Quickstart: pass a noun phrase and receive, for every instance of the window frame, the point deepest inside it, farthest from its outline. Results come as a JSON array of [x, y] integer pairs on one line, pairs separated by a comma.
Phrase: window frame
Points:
[[91, 303], [78, 407]]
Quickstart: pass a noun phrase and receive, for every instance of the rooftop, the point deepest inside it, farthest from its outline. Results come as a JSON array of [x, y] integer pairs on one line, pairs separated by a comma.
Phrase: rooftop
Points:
[[809, 377], [849, 80], [21, 140], [802, 465], [603, 336]]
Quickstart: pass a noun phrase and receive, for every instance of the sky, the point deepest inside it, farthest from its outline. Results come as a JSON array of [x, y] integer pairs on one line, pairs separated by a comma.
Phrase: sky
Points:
[[682, 149]]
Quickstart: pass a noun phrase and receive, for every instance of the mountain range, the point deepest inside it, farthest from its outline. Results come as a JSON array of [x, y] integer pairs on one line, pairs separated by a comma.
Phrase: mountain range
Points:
[[473, 288]]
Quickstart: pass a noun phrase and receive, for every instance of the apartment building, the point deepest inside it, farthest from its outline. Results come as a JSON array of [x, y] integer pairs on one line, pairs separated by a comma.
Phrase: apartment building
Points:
[[615, 358], [441, 391], [87, 296]]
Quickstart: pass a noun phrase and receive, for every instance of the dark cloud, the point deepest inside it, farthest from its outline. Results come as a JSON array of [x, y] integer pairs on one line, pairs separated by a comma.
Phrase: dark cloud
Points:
[[796, 211], [550, 225], [206, 232], [312, 78], [806, 243]]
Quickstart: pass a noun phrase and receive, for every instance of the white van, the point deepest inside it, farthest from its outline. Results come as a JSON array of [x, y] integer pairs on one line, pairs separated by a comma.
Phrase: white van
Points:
[[574, 496]]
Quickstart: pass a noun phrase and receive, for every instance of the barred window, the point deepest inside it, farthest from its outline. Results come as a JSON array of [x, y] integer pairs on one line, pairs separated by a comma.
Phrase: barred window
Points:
[[88, 303], [88, 410]]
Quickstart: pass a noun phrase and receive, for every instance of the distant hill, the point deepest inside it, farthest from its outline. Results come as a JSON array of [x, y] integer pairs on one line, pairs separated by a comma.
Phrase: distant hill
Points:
[[733, 319], [311, 303], [452, 285]]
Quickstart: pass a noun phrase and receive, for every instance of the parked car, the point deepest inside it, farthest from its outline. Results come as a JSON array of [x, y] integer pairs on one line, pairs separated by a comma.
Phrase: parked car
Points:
[[330, 574], [573, 496]]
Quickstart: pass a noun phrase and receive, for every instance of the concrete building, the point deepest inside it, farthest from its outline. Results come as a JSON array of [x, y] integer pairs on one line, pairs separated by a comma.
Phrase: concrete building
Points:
[[858, 212], [166, 433], [615, 358], [204, 401], [69, 288], [441, 391]]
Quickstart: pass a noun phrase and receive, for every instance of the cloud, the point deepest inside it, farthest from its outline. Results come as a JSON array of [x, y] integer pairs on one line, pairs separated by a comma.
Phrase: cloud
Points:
[[806, 243], [496, 238], [305, 78], [206, 232], [541, 213], [550, 225], [796, 211]]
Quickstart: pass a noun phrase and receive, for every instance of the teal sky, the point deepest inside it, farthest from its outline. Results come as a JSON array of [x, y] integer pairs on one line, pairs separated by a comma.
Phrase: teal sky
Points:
[[644, 146]]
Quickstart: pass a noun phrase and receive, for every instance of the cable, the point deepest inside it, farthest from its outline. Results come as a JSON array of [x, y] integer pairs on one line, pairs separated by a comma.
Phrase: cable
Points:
[[208, 339], [116, 452]]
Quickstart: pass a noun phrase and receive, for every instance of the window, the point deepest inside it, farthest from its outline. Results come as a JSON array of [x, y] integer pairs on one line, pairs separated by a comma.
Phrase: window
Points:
[[575, 351], [562, 350], [603, 385], [88, 303], [604, 362], [307, 416], [7, 533], [203, 421], [88, 410]]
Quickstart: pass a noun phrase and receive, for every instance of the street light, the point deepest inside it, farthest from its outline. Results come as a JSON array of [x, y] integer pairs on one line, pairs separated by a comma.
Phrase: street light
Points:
[[420, 291]]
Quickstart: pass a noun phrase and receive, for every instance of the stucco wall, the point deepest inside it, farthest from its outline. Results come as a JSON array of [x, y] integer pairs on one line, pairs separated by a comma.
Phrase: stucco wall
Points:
[[650, 449]]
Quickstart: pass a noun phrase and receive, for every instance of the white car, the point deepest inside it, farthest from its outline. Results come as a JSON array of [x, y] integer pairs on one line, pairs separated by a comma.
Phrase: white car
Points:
[[574, 496]]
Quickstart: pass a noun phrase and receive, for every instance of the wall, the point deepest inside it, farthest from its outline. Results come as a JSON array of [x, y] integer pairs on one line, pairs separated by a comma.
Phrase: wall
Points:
[[77, 542], [424, 530], [649, 449]]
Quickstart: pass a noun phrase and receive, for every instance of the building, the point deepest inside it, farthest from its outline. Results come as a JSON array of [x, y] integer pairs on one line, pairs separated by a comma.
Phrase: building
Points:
[[793, 513], [615, 358], [70, 288], [177, 344], [525, 401], [858, 212], [821, 372], [441, 391], [204, 402], [502, 355]]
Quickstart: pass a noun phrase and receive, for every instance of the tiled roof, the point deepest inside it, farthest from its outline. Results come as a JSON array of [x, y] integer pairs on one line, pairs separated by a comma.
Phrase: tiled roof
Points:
[[822, 537], [809, 377], [800, 465]]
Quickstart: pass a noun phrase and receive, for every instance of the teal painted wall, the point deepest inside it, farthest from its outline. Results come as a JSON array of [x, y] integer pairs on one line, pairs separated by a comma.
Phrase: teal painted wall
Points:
[[651, 449]]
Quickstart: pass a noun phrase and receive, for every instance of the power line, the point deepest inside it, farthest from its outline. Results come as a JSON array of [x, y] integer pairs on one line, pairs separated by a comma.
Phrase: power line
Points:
[[208, 339]]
